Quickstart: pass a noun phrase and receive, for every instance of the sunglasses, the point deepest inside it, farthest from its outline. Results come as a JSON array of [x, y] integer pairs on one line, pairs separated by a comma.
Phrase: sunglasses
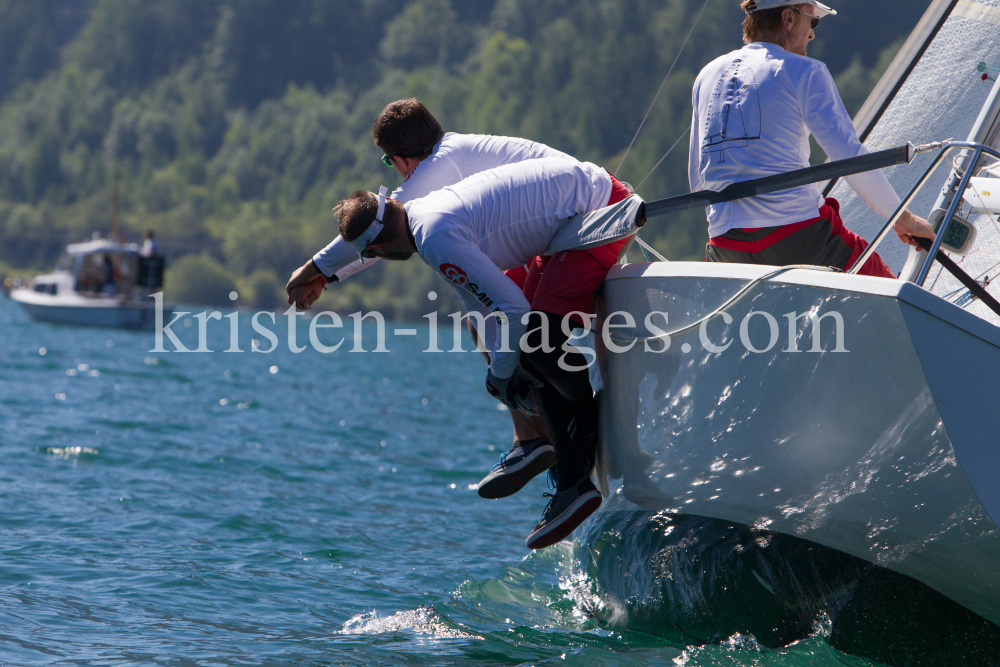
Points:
[[812, 24], [387, 159]]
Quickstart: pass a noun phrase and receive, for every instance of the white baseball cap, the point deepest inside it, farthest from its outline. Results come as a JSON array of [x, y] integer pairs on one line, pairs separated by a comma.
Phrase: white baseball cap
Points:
[[821, 9]]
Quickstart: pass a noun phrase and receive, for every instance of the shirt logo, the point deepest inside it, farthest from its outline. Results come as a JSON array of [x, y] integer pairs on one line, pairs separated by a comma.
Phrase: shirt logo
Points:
[[733, 116], [454, 273]]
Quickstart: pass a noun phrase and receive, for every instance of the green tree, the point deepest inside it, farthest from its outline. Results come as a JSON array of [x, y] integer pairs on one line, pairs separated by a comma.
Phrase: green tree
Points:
[[199, 280], [427, 32]]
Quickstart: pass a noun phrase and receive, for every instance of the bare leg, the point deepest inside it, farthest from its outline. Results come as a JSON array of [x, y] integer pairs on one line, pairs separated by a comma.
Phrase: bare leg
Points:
[[525, 428]]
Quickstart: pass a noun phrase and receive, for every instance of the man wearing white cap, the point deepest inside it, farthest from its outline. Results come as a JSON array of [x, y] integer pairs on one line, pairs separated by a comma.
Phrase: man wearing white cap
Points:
[[754, 110]]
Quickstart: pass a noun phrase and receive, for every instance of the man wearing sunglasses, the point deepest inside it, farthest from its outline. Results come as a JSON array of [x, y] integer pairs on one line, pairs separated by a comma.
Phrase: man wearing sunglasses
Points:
[[472, 232], [429, 159], [754, 110]]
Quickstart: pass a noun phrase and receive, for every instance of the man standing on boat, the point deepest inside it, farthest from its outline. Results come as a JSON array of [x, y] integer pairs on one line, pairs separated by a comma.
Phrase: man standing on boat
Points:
[[470, 233], [429, 159], [754, 110]]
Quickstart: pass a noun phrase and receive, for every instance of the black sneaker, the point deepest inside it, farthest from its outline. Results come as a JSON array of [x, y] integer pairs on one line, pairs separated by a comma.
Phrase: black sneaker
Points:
[[516, 467], [565, 512]]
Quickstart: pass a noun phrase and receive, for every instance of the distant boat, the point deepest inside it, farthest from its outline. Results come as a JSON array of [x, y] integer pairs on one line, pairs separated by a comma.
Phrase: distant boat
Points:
[[100, 283]]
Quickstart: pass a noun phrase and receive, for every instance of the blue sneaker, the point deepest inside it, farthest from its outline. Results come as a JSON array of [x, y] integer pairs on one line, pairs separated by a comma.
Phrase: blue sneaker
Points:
[[517, 467], [564, 513]]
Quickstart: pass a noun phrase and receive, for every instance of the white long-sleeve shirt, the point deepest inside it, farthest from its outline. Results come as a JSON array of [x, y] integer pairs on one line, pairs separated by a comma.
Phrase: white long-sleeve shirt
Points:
[[455, 157], [471, 232], [753, 112]]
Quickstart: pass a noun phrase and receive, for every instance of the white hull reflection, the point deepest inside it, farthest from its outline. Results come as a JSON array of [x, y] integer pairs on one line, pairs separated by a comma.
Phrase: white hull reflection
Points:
[[889, 452]]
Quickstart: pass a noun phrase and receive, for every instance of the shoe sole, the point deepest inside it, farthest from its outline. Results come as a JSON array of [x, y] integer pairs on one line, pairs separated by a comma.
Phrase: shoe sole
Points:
[[565, 523], [508, 481]]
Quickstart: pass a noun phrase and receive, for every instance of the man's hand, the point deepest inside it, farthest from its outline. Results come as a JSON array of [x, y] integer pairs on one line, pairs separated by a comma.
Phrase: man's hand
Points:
[[305, 295], [303, 275], [909, 226], [515, 391]]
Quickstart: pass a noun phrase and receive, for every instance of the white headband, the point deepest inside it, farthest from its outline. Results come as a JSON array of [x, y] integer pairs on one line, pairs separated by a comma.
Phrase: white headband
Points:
[[821, 9], [359, 244]]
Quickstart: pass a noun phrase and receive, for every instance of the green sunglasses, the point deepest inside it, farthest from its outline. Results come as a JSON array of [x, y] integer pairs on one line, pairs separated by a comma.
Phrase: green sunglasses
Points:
[[387, 159]]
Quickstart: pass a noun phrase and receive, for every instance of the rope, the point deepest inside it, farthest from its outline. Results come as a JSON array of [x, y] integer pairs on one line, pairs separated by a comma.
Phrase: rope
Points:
[[645, 255], [664, 157], [657, 96], [721, 309]]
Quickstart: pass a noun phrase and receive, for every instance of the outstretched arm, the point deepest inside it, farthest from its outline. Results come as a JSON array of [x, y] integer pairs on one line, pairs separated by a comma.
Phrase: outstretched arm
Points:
[[303, 275], [305, 295]]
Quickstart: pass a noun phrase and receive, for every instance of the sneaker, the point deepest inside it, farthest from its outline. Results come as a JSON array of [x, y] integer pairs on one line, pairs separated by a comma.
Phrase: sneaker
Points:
[[517, 467], [564, 513]]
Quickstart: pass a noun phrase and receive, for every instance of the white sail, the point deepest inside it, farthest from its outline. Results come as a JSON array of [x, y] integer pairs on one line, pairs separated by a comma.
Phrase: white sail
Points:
[[936, 90]]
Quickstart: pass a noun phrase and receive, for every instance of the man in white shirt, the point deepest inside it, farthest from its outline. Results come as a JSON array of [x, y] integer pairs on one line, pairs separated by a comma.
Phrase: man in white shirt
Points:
[[473, 231], [150, 247], [754, 110], [429, 159]]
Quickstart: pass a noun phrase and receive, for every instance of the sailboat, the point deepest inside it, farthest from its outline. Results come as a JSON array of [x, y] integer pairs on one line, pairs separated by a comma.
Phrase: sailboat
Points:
[[852, 413]]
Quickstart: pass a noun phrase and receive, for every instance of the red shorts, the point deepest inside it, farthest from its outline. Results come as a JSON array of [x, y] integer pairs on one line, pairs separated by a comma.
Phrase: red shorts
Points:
[[568, 281]]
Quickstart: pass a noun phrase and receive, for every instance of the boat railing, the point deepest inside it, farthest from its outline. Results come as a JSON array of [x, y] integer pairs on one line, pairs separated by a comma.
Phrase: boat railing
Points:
[[947, 148], [840, 168]]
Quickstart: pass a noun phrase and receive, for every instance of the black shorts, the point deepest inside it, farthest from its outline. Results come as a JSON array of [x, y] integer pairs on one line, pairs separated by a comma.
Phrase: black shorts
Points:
[[814, 244]]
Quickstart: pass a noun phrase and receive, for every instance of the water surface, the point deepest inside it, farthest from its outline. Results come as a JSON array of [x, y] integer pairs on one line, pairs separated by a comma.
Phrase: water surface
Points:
[[283, 509]]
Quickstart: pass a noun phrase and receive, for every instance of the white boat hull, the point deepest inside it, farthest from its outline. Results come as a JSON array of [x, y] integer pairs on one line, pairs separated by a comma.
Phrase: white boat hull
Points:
[[889, 452], [83, 311]]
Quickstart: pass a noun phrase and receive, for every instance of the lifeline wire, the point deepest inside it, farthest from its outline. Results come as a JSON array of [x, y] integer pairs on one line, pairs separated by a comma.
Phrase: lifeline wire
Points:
[[729, 302], [646, 247], [669, 72]]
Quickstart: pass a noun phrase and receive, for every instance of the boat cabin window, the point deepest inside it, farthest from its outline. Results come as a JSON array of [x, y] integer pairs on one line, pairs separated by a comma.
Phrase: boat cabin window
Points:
[[65, 263], [108, 274]]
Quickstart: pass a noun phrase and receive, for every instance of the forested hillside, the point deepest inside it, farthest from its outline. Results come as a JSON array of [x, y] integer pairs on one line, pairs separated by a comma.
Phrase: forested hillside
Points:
[[234, 126]]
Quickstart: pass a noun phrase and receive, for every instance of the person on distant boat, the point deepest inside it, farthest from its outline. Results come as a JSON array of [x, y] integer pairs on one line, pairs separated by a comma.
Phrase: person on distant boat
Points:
[[754, 110], [428, 159], [108, 287], [470, 233], [150, 247]]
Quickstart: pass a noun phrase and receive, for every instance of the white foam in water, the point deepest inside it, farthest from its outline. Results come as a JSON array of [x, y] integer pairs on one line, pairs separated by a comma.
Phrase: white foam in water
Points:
[[70, 452], [743, 643], [421, 620]]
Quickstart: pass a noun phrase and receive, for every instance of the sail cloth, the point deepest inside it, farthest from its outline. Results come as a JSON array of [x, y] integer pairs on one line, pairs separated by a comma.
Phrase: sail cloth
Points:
[[589, 230], [940, 96]]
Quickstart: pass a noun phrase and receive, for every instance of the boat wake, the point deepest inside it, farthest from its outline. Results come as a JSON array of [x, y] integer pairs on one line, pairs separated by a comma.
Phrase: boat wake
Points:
[[713, 585], [422, 620]]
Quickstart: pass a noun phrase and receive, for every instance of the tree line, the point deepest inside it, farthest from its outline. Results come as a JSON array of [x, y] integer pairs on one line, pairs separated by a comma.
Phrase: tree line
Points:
[[234, 127]]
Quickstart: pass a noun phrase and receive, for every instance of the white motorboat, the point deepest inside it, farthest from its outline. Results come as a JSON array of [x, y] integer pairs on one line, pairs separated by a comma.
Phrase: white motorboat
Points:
[[99, 283], [876, 437]]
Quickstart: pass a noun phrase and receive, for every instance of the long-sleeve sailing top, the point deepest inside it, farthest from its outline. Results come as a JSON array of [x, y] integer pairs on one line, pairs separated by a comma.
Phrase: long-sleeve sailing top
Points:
[[753, 112], [471, 232], [455, 157]]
